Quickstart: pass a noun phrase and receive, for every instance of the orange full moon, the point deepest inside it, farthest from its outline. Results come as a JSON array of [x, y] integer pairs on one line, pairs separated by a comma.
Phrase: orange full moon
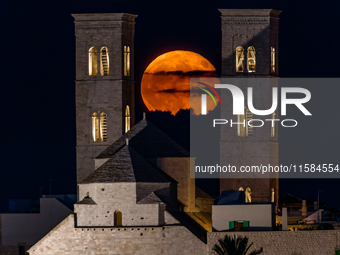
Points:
[[165, 84]]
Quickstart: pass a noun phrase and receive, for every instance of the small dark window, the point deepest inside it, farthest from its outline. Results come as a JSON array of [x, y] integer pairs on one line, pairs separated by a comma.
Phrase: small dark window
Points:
[[22, 250]]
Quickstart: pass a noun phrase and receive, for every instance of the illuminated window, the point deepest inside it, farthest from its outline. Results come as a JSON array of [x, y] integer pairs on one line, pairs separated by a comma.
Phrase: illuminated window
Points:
[[118, 218], [251, 59], [99, 130], [248, 195], [273, 195], [240, 126], [104, 61], [243, 129], [127, 118], [127, 58], [93, 61], [95, 127], [103, 131], [249, 117], [272, 60], [272, 129], [239, 59]]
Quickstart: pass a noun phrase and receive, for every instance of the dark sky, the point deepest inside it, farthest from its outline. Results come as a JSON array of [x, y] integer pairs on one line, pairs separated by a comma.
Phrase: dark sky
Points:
[[38, 71]]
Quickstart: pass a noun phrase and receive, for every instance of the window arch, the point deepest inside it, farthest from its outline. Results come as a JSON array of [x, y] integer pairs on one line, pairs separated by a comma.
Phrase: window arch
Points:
[[99, 128], [104, 61], [249, 117], [103, 131], [239, 59], [127, 119], [248, 195], [92, 61], [243, 128], [118, 218], [272, 60], [127, 58], [272, 129], [95, 127], [251, 59]]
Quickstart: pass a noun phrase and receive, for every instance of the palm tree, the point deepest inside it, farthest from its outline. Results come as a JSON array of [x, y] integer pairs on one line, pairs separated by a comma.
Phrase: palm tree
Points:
[[234, 246]]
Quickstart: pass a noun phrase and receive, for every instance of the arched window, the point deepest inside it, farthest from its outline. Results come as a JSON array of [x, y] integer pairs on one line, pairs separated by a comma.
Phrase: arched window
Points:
[[127, 61], [272, 60], [243, 128], [251, 59], [104, 61], [127, 118], [248, 195], [272, 129], [249, 117], [239, 59], [241, 125], [103, 131], [99, 129], [92, 61], [95, 127], [118, 218]]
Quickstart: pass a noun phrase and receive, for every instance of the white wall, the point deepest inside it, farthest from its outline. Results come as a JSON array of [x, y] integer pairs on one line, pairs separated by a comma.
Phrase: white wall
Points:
[[258, 215]]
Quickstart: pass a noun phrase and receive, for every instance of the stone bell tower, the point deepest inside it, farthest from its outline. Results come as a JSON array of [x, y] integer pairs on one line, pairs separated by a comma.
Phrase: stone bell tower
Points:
[[250, 50], [104, 83]]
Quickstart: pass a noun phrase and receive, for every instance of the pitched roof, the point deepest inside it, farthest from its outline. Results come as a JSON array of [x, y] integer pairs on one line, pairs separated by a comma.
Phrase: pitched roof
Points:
[[148, 141], [126, 165], [86, 201], [152, 198]]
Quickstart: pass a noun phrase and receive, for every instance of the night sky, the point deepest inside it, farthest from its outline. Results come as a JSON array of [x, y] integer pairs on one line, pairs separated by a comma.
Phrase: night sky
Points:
[[38, 92]]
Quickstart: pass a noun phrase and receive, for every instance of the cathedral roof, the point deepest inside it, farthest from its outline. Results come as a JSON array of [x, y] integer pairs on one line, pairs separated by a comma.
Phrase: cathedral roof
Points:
[[86, 201], [148, 141], [126, 165]]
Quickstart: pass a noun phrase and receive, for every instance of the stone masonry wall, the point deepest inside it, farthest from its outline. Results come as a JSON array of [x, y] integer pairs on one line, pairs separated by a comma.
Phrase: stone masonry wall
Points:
[[321, 242], [167, 240]]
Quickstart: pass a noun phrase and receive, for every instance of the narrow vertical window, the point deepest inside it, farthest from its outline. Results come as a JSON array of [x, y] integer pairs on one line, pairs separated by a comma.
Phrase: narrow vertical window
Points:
[[95, 127], [272, 129], [118, 218], [239, 59], [251, 59], [249, 117], [93, 61], [248, 195], [241, 125], [272, 60], [103, 131], [127, 118], [127, 58], [104, 61], [125, 61], [273, 195]]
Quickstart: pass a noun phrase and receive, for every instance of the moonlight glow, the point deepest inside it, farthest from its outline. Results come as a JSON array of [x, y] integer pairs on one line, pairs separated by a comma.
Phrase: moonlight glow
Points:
[[165, 84]]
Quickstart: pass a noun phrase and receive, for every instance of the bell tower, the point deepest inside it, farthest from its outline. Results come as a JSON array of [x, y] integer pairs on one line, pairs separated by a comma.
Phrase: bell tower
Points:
[[104, 83], [250, 51]]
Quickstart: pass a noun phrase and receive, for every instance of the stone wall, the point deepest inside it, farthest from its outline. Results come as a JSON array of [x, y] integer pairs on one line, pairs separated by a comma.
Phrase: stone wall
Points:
[[111, 197], [167, 240], [110, 93], [320, 242]]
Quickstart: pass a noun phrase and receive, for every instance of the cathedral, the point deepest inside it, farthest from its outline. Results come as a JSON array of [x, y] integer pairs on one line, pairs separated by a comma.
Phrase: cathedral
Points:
[[135, 194]]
